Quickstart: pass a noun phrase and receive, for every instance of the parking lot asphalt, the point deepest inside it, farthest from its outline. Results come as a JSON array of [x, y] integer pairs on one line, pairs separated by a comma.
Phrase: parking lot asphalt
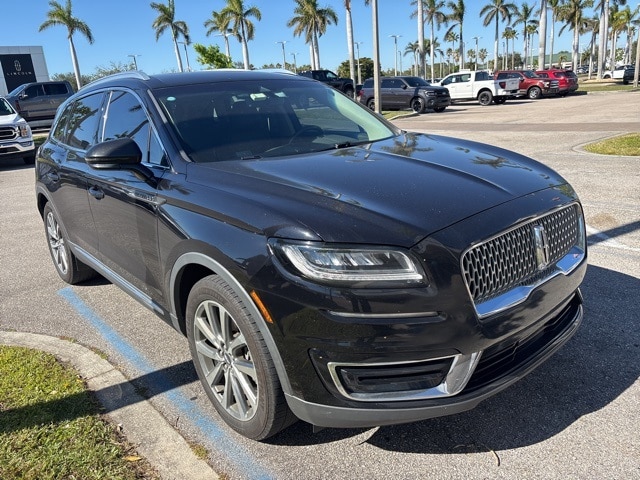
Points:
[[577, 416]]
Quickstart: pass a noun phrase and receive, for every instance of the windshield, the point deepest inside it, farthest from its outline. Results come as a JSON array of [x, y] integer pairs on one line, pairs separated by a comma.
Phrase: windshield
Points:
[[6, 108], [266, 118], [416, 82]]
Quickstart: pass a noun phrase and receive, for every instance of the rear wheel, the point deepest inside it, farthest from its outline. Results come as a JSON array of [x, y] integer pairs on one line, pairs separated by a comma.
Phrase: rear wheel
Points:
[[371, 104], [348, 91], [418, 105], [70, 269], [232, 361], [485, 97]]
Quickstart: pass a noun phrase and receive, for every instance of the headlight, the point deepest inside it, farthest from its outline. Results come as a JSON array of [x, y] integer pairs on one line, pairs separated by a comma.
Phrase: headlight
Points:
[[355, 265], [24, 129]]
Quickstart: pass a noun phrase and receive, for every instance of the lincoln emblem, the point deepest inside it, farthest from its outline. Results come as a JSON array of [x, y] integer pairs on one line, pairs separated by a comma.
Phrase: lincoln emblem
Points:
[[542, 246]]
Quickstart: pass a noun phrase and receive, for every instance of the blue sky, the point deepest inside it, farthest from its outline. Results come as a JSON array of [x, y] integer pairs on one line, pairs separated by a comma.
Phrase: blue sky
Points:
[[121, 28]]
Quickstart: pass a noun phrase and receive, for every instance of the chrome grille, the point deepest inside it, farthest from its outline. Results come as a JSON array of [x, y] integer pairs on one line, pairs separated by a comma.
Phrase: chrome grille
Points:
[[8, 133], [512, 259]]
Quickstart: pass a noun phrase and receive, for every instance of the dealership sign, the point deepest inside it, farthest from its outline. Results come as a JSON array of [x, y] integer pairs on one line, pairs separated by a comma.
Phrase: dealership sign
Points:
[[17, 69]]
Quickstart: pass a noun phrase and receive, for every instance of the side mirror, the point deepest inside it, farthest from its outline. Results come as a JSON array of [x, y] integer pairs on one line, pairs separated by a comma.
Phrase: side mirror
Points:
[[119, 154]]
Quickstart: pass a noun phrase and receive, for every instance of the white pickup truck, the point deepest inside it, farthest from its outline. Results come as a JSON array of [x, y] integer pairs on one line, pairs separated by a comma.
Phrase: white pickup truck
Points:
[[479, 85]]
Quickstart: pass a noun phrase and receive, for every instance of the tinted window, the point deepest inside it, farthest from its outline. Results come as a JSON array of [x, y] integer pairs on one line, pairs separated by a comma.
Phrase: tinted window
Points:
[[83, 121], [33, 91], [55, 89], [416, 82], [126, 118]]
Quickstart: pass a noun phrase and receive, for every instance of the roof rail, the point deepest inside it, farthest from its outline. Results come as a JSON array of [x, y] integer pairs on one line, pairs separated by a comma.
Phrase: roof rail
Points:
[[139, 74]]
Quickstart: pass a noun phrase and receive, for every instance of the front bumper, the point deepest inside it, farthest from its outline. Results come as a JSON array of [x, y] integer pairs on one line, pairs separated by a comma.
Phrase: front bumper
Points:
[[13, 149], [504, 363]]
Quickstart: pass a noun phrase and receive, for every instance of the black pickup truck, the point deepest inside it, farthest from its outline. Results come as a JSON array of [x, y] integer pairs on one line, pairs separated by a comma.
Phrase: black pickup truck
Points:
[[345, 85]]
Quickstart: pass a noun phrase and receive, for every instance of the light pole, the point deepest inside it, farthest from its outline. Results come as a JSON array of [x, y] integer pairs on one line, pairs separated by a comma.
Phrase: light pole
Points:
[[284, 56], [295, 63], [186, 54], [476, 39], [395, 48], [226, 42], [357, 44], [135, 63]]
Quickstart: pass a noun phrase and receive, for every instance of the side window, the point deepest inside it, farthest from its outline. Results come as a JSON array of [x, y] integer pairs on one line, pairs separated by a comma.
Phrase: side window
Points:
[[465, 78], [83, 122], [127, 119], [33, 91], [386, 83], [55, 89]]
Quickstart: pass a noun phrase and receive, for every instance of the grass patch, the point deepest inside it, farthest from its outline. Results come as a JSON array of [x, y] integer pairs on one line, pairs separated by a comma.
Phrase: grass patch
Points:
[[51, 427], [39, 139], [623, 145], [604, 86]]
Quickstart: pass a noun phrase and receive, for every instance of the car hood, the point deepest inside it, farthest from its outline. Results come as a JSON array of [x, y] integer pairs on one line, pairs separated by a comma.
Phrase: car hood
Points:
[[11, 119], [394, 192]]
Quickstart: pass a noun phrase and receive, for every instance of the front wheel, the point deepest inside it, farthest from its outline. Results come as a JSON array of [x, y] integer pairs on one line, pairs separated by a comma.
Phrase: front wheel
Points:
[[485, 97], [534, 93], [232, 361], [418, 105]]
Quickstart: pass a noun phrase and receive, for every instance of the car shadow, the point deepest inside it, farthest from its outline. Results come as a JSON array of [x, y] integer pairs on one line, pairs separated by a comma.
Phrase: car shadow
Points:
[[593, 369]]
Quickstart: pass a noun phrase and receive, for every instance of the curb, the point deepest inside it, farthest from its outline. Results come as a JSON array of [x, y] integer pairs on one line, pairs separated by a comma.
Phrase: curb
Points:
[[154, 438]]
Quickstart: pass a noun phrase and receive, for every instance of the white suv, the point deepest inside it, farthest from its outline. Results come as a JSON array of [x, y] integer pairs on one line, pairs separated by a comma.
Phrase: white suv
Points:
[[16, 140]]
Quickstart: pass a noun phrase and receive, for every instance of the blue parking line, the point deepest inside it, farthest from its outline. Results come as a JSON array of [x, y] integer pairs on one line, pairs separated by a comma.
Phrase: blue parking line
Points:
[[248, 466]]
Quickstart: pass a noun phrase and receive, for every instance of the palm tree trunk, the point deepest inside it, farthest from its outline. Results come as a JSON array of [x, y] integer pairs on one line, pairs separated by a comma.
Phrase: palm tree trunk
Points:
[[316, 49], [178, 57], [553, 28], [352, 61], [431, 56], [542, 36], [423, 71], [604, 26], [245, 47], [576, 46], [74, 60], [495, 47]]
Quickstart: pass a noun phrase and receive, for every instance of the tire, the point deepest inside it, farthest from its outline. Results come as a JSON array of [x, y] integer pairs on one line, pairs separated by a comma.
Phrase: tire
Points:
[[69, 268], [439, 109], [534, 93], [499, 100], [418, 105], [348, 91], [232, 361], [371, 104], [485, 97]]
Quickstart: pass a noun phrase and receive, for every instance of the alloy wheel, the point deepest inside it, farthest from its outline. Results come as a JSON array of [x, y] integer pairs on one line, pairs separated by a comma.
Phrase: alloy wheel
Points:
[[225, 359], [57, 245]]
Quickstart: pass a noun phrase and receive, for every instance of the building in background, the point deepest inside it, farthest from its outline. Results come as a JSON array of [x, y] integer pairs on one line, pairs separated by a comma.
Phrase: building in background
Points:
[[20, 65]]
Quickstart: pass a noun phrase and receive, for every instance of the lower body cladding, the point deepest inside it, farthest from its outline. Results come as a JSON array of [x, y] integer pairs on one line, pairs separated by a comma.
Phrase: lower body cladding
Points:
[[364, 358]]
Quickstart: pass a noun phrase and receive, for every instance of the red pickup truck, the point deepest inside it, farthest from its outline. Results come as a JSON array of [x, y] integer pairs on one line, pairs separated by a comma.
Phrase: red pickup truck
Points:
[[532, 85]]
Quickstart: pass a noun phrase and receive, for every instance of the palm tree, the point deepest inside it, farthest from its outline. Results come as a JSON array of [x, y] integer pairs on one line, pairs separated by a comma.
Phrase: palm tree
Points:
[[434, 16], [413, 49], [531, 30], [167, 20], [572, 14], [495, 10], [312, 21], [236, 16], [350, 41], [482, 55], [456, 17], [218, 23], [510, 34], [59, 15], [523, 16], [451, 37]]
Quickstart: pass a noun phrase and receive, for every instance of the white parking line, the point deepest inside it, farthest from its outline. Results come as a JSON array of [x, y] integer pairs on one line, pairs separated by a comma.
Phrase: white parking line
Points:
[[604, 239]]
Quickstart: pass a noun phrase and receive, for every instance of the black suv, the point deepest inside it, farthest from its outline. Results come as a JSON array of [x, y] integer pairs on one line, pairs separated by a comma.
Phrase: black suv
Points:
[[399, 93], [323, 264], [345, 85]]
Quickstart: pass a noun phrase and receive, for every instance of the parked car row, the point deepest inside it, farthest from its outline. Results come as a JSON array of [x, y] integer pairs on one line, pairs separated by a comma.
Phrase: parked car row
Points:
[[409, 92]]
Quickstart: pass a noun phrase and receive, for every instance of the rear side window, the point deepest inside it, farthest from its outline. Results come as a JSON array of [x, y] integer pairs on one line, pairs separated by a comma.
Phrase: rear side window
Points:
[[34, 91]]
